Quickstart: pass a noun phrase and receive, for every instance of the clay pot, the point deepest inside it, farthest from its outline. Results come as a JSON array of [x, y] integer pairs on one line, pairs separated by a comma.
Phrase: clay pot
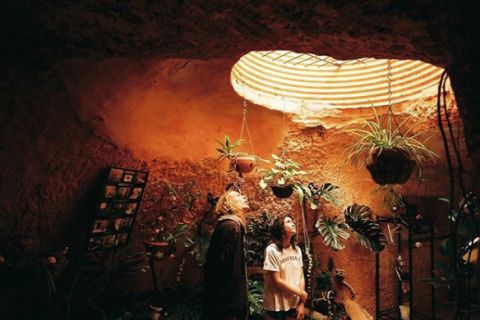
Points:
[[389, 166], [244, 163], [284, 191], [158, 249]]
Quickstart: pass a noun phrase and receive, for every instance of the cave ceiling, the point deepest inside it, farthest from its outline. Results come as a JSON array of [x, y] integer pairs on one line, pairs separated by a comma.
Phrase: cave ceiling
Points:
[[59, 30], [443, 33]]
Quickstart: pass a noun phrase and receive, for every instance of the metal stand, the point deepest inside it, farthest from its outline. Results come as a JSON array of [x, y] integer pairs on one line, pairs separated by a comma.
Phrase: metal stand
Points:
[[410, 224]]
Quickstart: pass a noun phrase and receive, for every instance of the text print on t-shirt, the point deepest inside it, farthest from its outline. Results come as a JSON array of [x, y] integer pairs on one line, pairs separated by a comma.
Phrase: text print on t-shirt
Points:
[[289, 258]]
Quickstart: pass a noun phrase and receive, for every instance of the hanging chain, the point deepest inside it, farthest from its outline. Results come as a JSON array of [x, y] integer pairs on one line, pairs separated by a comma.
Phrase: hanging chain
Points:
[[244, 112], [245, 126], [283, 129], [390, 98], [389, 83]]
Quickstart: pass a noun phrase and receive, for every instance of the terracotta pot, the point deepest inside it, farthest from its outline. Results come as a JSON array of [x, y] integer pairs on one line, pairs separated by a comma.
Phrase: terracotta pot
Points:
[[282, 191], [156, 244], [390, 166], [244, 163], [158, 249]]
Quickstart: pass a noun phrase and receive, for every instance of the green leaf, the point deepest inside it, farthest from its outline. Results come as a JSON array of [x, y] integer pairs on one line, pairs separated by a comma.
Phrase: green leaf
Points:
[[333, 231], [263, 184], [447, 200]]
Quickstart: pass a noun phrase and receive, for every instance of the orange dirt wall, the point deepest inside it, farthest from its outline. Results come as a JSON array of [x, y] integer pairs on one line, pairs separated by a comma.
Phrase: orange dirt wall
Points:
[[164, 116]]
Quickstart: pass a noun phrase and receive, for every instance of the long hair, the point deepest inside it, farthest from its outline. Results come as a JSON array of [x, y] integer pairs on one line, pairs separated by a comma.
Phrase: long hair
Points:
[[277, 233]]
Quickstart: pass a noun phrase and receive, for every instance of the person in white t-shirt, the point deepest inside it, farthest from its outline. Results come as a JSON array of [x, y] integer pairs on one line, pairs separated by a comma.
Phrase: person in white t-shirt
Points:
[[284, 283]]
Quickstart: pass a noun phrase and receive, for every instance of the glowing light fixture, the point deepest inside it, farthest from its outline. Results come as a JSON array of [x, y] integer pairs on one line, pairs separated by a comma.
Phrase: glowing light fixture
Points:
[[299, 82]]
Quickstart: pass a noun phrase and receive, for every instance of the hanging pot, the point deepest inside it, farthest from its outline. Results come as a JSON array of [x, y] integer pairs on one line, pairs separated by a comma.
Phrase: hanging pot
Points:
[[244, 163], [389, 166], [282, 191]]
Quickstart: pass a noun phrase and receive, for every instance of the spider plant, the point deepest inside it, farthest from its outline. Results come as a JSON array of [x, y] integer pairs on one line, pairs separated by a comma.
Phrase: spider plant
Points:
[[396, 136]]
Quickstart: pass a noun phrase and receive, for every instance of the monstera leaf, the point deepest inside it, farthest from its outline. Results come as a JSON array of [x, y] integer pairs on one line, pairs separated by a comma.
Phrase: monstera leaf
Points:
[[333, 231], [368, 231]]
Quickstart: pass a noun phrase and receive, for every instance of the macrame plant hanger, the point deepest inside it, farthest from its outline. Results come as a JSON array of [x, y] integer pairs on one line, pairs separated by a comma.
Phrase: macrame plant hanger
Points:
[[390, 115], [245, 128]]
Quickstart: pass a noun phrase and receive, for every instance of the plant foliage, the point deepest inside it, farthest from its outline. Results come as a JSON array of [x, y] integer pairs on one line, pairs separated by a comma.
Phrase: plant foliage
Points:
[[313, 193], [461, 270], [369, 233], [257, 237], [255, 299], [393, 136], [284, 172], [227, 148], [333, 231]]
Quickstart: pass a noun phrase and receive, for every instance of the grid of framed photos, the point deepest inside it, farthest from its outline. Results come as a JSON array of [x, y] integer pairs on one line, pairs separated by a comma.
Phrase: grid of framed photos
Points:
[[117, 208]]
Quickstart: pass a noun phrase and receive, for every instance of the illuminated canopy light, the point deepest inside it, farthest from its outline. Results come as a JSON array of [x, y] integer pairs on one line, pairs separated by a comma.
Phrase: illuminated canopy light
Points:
[[296, 83]]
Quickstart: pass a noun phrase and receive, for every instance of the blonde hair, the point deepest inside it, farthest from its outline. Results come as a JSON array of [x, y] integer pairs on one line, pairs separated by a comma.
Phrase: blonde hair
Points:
[[231, 202]]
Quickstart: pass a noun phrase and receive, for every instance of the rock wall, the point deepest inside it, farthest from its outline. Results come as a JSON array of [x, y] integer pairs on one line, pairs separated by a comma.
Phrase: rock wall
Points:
[[62, 125]]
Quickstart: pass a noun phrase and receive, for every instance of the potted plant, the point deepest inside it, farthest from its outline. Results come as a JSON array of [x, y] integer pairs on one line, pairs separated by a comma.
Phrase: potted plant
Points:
[[282, 178], [161, 240], [390, 153], [239, 161]]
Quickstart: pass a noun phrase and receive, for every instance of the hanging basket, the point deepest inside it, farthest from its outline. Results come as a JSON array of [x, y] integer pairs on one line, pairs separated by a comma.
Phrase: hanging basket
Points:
[[283, 192], [244, 163], [389, 166]]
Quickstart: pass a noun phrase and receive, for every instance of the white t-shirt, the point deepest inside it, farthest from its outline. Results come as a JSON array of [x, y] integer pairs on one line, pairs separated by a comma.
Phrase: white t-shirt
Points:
[[289, 263]]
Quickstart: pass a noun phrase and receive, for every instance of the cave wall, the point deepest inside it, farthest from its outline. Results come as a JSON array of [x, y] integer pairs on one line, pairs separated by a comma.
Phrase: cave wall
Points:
[[64, 125], [87, 87]]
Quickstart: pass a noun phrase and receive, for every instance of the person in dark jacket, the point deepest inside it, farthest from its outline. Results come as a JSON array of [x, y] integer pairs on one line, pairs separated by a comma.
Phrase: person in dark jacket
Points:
[[225, 280]]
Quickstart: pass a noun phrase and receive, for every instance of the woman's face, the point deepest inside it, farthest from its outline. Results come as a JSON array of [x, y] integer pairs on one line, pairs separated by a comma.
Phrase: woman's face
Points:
[[289, 226], [239, 201]]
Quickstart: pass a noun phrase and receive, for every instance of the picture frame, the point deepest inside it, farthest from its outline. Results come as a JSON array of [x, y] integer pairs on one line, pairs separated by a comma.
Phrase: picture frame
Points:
[[123, 192], [109, 241], [128, 176], [117, 208], [104, 208], [136, 193], [110, 192], [125, 224], [131, 208], [95, 243], [100, 226], [116, 175]]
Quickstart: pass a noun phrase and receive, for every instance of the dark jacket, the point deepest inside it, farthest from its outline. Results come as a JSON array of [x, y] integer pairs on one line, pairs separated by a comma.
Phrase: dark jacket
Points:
[[225, 282]]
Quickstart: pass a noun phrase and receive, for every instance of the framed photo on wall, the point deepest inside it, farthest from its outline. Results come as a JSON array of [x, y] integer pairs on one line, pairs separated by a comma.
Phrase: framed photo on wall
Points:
[[117, 208]]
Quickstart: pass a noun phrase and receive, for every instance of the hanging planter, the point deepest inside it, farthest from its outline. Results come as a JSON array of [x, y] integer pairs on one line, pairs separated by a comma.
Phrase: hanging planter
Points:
[[391, 150], [389, 166], [282, 177], [239, 162], [282, 192], [243, 163], [390, 155]]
